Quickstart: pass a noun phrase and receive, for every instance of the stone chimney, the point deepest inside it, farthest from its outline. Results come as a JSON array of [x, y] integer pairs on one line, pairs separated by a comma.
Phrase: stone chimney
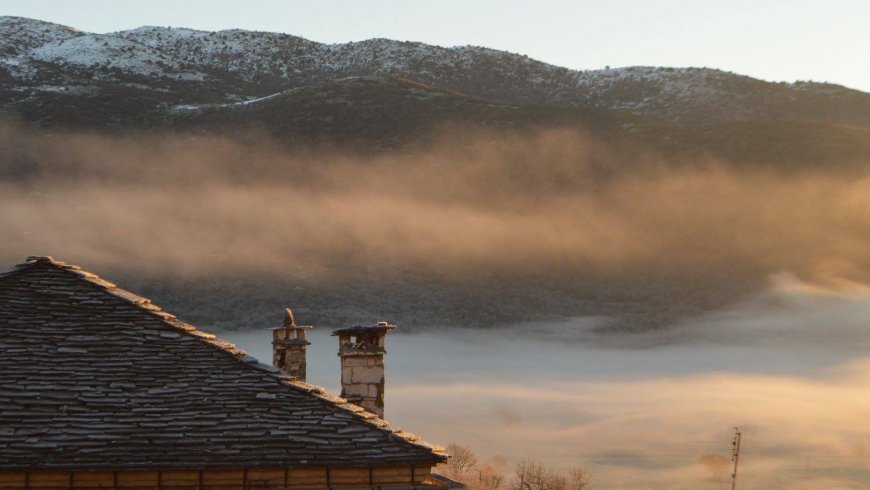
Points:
[[362, 352], [288, 347]]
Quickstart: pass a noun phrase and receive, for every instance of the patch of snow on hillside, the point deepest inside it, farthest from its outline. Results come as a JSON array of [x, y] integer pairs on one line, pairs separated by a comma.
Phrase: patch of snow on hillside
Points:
[[95, 51], [19, 68], [247, 54]]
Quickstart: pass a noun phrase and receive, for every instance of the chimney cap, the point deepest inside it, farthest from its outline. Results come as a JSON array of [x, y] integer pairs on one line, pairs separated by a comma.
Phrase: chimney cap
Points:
[[290, 321], [380, 327], [289, 318]]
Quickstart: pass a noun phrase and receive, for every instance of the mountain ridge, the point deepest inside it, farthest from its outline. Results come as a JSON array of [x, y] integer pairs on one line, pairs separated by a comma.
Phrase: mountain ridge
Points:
[[176, 64]]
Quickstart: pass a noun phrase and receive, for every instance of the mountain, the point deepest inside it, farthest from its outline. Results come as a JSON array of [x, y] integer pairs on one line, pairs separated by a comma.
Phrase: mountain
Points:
[[43, 62]]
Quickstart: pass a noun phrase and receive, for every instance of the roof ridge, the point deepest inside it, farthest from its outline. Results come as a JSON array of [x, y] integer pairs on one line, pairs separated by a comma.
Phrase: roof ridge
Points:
[[229, 348], [28, 262]]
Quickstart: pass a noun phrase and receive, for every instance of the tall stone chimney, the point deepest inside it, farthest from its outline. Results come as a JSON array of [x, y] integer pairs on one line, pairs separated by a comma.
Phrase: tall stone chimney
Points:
[[362, 365], [288, 347]]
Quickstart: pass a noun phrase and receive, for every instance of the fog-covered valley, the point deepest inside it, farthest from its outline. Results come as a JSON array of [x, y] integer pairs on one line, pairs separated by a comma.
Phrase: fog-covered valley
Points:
[[484, 228], [788, 366]]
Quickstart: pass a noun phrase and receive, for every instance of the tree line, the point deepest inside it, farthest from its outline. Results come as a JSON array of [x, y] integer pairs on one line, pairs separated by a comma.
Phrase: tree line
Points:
[[465, 467]]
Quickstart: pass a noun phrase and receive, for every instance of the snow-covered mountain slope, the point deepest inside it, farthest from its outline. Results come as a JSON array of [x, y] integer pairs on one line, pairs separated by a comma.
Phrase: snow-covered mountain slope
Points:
[[19, 35], [184, 65], [106, 55], [249, 56], [274, 62]]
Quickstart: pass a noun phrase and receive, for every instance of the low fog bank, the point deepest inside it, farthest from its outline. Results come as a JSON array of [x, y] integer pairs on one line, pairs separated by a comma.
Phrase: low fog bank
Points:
[[649, 410], [786, 315], [483, 228]]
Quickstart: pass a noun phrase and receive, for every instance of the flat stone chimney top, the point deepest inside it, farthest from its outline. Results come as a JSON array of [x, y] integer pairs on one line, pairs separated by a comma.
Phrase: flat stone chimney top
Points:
[[380, 327]]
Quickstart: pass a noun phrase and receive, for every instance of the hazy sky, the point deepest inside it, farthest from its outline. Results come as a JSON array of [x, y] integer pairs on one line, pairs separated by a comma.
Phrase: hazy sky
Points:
[[771, 39]]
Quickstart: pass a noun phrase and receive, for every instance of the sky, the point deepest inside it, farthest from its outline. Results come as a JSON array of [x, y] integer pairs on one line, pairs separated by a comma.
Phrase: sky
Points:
[[779, 40]]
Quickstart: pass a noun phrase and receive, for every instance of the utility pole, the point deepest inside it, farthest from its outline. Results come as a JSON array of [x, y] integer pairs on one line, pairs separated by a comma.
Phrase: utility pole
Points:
[[735, 456]]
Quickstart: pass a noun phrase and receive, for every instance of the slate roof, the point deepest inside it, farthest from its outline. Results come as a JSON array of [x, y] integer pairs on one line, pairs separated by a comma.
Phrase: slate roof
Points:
[[92, 376]]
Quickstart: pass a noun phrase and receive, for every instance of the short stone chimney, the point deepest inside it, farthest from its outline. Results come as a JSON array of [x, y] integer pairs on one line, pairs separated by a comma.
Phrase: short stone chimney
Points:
[[288, 347], [361, 349]]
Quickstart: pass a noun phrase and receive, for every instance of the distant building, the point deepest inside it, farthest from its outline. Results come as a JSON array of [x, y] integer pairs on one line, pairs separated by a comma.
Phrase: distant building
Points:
[[99, 388]]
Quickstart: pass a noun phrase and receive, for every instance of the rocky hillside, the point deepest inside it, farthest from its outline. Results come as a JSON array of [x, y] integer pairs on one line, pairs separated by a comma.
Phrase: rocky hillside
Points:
[[43, 65]]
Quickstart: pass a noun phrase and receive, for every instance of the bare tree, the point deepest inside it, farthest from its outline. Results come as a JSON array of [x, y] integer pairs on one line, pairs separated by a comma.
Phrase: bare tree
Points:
[[489, 478], [463, 466], [462, 461], [579, 478], [531, 475]]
